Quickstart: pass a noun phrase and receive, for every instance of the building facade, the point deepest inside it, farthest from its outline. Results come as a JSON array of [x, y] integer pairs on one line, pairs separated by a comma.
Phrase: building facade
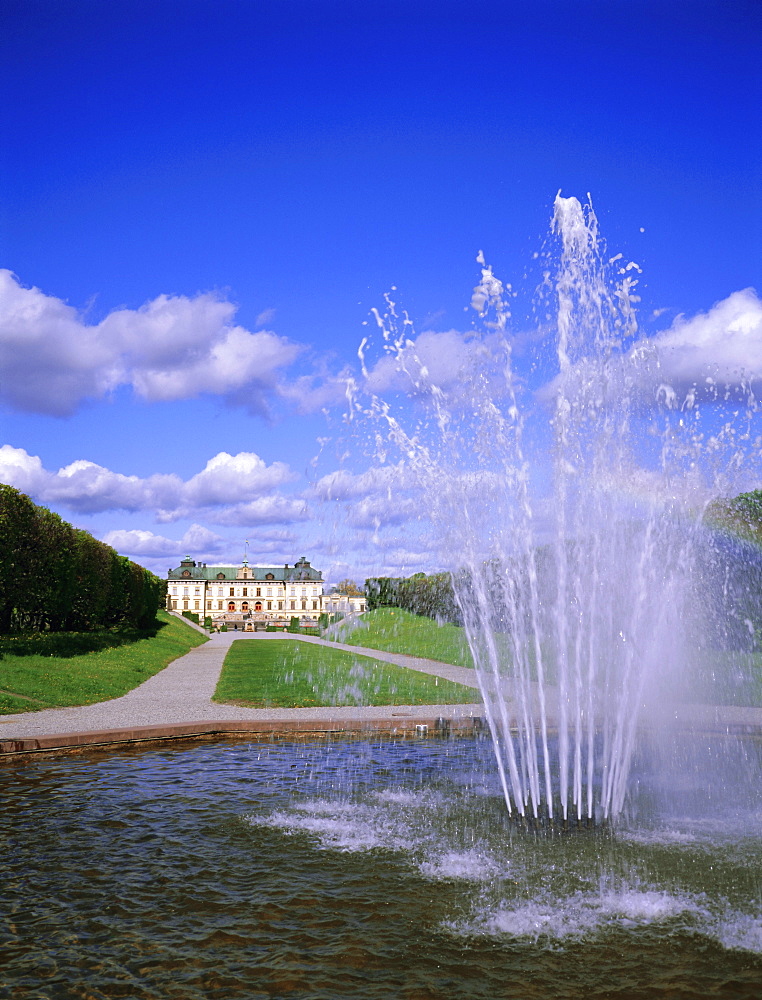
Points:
[[251, 595]]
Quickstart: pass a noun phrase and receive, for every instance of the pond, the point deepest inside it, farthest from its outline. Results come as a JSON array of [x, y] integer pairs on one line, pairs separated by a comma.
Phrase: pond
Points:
[[368, 869]]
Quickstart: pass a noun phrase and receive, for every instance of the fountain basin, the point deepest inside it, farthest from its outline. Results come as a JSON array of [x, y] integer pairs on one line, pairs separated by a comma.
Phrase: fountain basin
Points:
[[373, 868]]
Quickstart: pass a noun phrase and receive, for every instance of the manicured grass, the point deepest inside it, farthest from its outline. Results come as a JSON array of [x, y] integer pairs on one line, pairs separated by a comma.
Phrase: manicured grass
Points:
[[398, 631], [92, 677], [286, 673]]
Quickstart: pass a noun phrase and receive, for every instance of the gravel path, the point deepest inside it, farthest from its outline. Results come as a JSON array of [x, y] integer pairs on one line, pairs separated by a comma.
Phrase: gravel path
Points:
[[182, 693]]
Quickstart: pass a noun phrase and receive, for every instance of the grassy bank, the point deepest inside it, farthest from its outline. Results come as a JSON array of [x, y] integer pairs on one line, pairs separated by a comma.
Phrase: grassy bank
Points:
[[286, 673], [397, 631], [32, 682]]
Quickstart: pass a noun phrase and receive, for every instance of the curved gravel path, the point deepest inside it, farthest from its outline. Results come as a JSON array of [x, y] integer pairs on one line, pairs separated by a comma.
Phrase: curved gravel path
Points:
[[181, 694], [177, 702]]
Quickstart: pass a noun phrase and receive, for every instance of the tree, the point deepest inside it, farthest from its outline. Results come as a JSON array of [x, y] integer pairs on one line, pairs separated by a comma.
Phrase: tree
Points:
[[742, 515], [349, 587]]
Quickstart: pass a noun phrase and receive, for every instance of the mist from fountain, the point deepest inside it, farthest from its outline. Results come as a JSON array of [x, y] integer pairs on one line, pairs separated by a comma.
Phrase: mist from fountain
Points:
[[570, 512]]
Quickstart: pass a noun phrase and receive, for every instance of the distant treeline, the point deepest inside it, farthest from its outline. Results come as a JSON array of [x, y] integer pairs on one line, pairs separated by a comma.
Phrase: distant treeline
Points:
[[54, 577], [431, 596]]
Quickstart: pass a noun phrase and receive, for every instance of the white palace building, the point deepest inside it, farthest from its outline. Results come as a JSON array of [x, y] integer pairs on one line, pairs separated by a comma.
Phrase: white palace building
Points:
[[251, 596]]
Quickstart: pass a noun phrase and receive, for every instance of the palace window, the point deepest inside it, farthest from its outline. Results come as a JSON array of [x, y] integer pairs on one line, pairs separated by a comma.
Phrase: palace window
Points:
[[269, 591], [185, 604], [280, 605], [232, 591], [196, 605], [219, 605], [245, 591], [314, 605], [174, 605], [293, 605], [269, 605], [259, 591], [304, 605], [185, 591]]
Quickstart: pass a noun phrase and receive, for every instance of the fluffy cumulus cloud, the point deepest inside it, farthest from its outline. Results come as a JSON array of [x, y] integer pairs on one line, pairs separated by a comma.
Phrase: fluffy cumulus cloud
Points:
[[716, 349], [714, 356], [173, 347], [231, 489], [136, 543], [432, 359], [377, 480], [156, 551]]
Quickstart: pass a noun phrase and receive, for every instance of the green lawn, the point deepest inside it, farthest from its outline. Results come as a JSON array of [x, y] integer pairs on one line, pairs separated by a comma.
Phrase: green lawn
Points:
[[398, 631], [49, 681], [286, 673], [716, 677]]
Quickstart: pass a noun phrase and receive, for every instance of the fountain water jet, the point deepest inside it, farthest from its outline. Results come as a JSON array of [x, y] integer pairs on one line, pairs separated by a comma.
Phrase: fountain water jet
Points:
[[574, 575]]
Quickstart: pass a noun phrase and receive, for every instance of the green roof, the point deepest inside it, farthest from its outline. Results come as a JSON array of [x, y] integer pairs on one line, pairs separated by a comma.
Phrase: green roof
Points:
[[283, 574]]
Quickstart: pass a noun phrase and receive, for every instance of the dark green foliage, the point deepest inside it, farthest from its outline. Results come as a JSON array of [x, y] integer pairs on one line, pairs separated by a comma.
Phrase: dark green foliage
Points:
[[431, 596], [323, 620], [56, 578], [192, 616], [381, 592], [742, 515]]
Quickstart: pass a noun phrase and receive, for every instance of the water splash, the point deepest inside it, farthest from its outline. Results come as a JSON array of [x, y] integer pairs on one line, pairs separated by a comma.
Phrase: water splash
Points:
[[571, 515]]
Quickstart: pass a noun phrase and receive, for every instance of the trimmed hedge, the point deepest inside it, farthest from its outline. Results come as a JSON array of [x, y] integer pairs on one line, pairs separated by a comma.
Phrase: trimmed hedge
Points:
[[57, 578]]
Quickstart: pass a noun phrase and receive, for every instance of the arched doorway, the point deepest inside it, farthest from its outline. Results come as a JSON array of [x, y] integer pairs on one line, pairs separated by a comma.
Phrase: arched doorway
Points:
[[231, 606], [245, 606], [258, 606]]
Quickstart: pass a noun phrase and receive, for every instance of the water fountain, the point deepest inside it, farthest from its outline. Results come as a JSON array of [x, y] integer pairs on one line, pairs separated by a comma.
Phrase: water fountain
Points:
[[579, 576], [387, 868]]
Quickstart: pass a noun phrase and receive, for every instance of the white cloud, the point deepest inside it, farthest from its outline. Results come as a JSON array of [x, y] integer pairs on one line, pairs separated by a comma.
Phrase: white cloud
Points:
[[136, 543], [173, 347], [713, 356], [313, 393], [432, 359], [723, 344], [264, 510], [345, 485], [231, 489]]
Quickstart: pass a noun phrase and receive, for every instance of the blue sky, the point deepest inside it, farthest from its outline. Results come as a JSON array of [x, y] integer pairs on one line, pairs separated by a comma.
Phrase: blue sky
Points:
[[202, 202]]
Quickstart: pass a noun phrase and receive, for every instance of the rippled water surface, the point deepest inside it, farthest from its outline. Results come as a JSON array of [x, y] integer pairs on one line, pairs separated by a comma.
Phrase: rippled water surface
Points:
[[362, 870]]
